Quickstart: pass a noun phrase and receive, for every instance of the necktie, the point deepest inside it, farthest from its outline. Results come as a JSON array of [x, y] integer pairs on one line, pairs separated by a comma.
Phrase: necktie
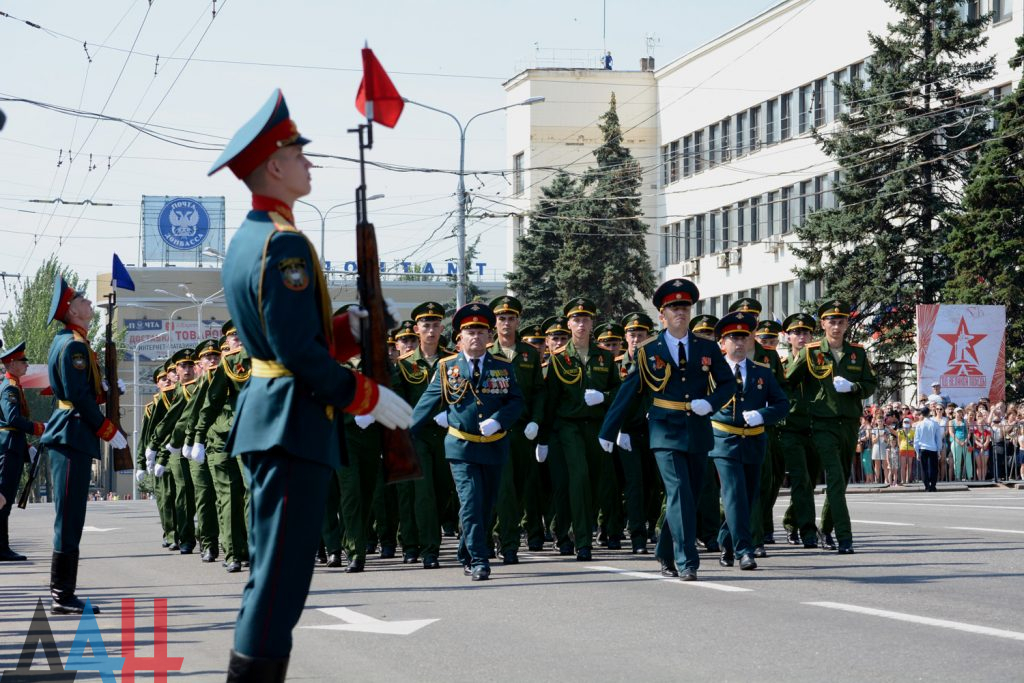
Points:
[[739, 379], [476, 371], [682, 353]]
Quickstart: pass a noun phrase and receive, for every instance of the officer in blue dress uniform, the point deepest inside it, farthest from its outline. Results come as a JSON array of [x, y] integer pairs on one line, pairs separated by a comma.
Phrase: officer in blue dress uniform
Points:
[[15, 428], [285, 426], [73, 435], [474, 394], [686, 379], [740, 439]]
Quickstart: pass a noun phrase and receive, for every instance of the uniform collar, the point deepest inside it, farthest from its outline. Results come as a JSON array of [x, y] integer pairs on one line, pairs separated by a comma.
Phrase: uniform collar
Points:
[[264, 203], [11, 378], [76, 329]]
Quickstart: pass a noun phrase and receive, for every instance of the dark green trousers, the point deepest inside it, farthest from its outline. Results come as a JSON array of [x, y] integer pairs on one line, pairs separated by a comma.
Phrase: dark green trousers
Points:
[[430, 493], [357, 481], [537, 499], [512, 490], [638, 467], [384, 516], [332, 527], [773, 471], [206, 505], [578, 443], [611, 515], [835, 515], [559, 509], [164, 490], [184, 500], [804, 467], [230, 494]]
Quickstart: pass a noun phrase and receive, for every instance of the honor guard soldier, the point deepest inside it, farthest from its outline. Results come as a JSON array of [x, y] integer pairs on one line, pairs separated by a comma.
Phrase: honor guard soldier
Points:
[[285, 427], [519, 489], [164, 486], [836, 376], [556, 496], [703, 326], [686, 379], [207, 356], [72, 435], [740, 439], [534, 336], [406, 338], [475, 396], [16, 426], [610, 337], [581, 383], [802, 461]]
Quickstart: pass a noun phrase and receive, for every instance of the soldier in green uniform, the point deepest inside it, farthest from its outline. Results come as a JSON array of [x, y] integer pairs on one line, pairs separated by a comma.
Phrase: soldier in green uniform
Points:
[[167, 438], [514, 498], [73, 435], [475, 397], [802, 461], [610, 337], [209, 439], [534, 336], [836, 376], [554, 487], [163, 486], [581, 382], [709, 511], [207, 358], [285, 427], [686, 379], [406, 338], [703, 326], [16, 426], [740, 439]]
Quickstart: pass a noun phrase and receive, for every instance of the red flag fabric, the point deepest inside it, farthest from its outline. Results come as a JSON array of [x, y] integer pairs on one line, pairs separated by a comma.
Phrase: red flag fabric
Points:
[[377, 98]]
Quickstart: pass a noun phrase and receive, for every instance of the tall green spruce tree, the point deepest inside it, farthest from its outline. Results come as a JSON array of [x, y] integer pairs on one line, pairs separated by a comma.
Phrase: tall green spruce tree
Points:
[[905, 149], [533, 280], [604, 256], [987, 239]]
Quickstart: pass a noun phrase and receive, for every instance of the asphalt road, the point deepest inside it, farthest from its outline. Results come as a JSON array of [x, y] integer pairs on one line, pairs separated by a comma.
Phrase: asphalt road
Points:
[[932, 593]]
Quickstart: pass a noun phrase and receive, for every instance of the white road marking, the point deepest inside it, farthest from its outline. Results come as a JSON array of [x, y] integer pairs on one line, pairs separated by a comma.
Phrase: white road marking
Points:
[[927, 621], [366, 624], [975, 528], [96, 528], [700, 584], [1019, 508], [868, 521]]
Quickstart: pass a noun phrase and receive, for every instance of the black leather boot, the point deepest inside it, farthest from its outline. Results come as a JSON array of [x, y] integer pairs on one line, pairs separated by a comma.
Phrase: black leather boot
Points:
[[245, 669], [63, 579], [6, 554]]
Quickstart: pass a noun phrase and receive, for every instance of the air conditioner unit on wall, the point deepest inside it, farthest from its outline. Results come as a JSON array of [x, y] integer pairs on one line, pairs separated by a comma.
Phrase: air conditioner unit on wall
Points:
[[735, 257], [772, 244], [722, 260], [691, 268]]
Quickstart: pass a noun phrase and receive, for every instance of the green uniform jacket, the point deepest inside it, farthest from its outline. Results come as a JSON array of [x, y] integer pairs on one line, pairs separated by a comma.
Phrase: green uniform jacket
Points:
[[814, 367], [636, 417], [191, 415], [171, 429], [218, 410], [75, 379], [529, 377], [147, 419], [799, 418], [569, 377]]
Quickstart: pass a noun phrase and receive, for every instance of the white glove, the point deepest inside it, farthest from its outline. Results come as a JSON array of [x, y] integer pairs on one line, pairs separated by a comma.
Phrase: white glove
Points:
[[490, 427], [364, 421], [117, 441], [753, 418], [593, 397], [199, 452], [701, 407], [391, 410], [624, 442], [355, 320], [442, 419], [530, 431], [158, 470], [140, 475], [172, 450], [150, 457], [606, 445], [842, 385], [120, 385], [542, 453], [186, 451], [33, 453], [149, 467], [104, 385]]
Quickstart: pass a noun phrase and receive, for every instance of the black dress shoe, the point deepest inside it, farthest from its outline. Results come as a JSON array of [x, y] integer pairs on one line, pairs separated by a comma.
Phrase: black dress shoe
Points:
[[769, 538], [794, 538], [826, 541], [334, 560], [481, 573], [688, 575], [491, 554], [165, 544], [510, 557], [357, 565], [669, 570], [713, 547], [727, 559], [387, 552], [467, 569], [321, 554], [430, 562], [583, 555], [172, 547], [233, 567], [810, 542], [186, 549], [410, 557], [208, 556], [535, 547], [639, 546], [748, 562], [566, 549], [846, 548], [614, 544], [8, 555], [245, 564], [759, 551]]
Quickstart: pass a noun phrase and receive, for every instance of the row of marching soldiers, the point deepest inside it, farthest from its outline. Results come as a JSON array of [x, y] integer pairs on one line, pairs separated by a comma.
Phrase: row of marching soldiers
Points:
[[559, 489]]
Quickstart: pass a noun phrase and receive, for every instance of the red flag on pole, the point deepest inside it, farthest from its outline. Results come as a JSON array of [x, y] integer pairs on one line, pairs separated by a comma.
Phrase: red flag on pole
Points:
[[377, 98]]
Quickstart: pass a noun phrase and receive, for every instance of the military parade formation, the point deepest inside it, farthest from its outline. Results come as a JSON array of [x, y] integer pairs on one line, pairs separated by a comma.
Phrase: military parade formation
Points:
[[266, 445]]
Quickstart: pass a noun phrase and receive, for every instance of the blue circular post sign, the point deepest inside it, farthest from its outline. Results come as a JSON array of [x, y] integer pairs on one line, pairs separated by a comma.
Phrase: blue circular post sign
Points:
[[183, 223]]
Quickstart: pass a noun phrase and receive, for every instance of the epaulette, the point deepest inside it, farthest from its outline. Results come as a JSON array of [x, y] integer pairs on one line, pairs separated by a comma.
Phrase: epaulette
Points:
[[649, 340], [763, 365], [498, 356], [453, 355], [812, 345], [231, 352], [406, 354], [856, 345], [619, 359], [559, 350]]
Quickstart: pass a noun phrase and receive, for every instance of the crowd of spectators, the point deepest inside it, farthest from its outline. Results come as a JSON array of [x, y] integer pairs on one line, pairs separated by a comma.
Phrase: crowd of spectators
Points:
[[977, 442]]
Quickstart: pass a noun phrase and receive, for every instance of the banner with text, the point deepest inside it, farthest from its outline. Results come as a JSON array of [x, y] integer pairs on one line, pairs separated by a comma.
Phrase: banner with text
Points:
[[145, 337], [963, 348]]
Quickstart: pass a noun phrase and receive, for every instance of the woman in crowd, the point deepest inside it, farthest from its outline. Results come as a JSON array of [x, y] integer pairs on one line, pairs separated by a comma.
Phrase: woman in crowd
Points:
[[905, 452], [943, 417], [864, 450], [878, 459], [958, 438], [981, 437]]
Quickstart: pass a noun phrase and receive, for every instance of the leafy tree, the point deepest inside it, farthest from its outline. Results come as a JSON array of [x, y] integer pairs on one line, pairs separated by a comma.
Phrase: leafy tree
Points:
[[904, 149], [604, 256], [987, 237]]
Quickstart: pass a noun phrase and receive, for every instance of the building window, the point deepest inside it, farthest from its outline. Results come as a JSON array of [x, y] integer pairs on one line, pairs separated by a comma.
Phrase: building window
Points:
[[673, 157], [712, 145], [1001, 10], [771, 114], [741, 210], [855, 70], [755, 205], [698, 237], [829, 198], [741, 126], [786, 106], [664, 166], [712, 232], [819, 192], [819, 103], [755, 132], [687, 239], [801, 214], [666, 245], [838, 106], [687, 156], [773, 214], [725, 151], [803, 124], [784, 210], [517, 173], [677, 243], [726, 243], [698, 151], [517, 227]]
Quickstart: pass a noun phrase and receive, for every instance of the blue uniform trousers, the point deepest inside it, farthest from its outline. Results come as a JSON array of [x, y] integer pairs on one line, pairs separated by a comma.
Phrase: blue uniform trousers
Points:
[[683, 474], [740, 488], [70, 472], [477, 486], [288, 496]]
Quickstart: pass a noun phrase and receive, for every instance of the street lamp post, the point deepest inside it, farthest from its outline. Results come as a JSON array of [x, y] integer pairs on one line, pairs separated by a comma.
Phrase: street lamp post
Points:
[[460, 288], [136, 405], [323, 221]]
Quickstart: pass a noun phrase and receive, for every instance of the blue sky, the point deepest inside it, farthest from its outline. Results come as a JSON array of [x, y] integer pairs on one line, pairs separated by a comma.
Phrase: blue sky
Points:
[[452, 55]]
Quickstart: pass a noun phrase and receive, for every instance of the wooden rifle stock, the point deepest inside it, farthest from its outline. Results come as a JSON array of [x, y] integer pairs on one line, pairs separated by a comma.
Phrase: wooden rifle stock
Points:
[[401, 462]]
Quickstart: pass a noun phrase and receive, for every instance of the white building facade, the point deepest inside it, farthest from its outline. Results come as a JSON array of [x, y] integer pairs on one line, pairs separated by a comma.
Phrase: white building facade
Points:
[[735, 169]]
